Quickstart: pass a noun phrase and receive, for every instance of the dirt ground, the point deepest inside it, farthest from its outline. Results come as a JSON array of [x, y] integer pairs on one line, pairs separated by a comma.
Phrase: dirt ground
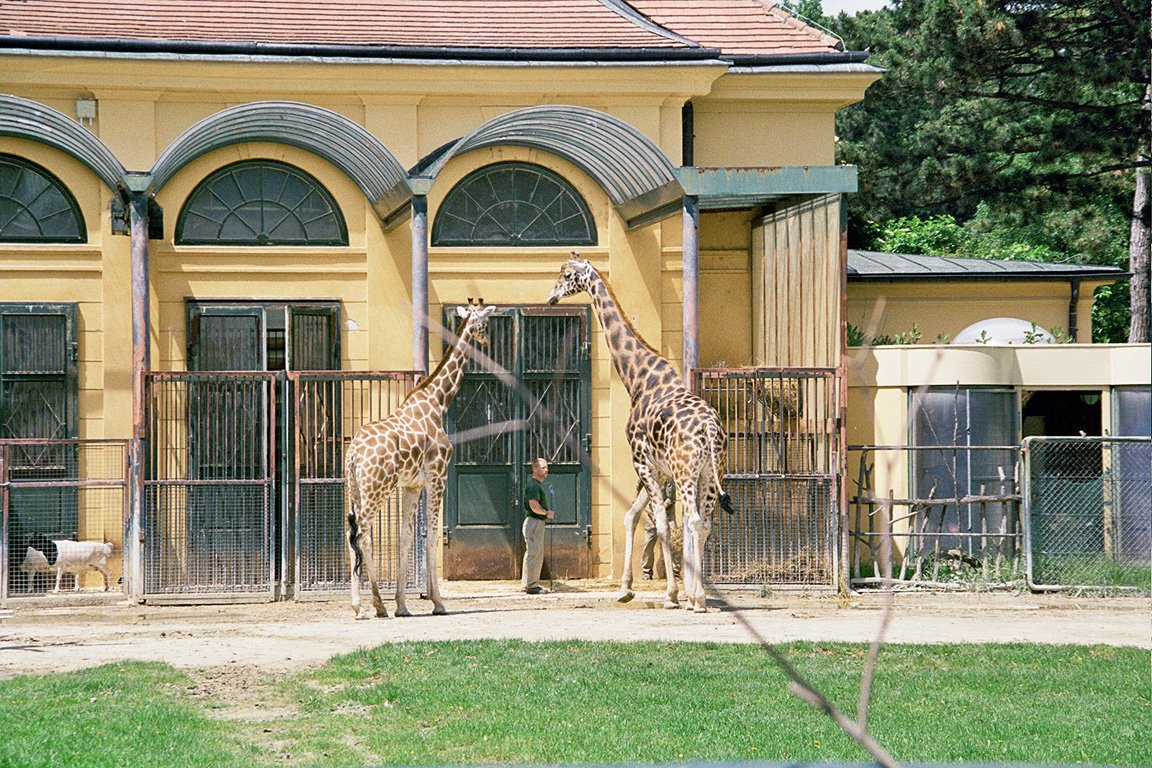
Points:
[[63, 632]]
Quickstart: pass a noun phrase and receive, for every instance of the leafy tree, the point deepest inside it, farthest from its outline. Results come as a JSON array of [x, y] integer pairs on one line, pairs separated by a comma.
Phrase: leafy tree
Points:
[[1026, 122]]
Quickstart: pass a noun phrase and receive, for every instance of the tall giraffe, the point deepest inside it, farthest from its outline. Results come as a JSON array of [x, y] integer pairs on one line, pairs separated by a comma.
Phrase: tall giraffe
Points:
[[409, 449], [673, 434]]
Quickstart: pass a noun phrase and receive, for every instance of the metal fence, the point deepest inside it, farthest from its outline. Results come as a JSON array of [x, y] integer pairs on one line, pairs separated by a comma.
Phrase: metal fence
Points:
[[959, 525], [1088, 512], [209, 486], [783, 474], [54, 491], [328, 408]]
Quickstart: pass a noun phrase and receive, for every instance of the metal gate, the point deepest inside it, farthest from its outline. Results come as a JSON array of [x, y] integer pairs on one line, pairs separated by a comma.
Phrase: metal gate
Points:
[[1088, 512], [327, 407], [60, 489], [531, 397], [783, 474], [209, 475]]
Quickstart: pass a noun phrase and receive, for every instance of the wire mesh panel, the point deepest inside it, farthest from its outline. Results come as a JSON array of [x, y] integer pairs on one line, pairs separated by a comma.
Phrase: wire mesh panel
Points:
[[327, 409], [1088, 512], [64, 503], [783, 454], [208, 484]]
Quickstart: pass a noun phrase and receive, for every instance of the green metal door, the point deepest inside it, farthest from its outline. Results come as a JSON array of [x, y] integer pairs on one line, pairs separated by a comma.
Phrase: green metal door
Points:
[[531, 398]]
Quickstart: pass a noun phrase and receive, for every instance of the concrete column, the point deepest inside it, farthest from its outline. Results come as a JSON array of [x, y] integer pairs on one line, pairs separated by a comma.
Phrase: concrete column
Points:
[[420, 282], [691, 246]]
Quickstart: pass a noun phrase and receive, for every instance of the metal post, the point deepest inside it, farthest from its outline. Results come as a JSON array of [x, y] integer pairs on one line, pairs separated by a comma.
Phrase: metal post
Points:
[[691, 249], [141, 362], [420, 282]]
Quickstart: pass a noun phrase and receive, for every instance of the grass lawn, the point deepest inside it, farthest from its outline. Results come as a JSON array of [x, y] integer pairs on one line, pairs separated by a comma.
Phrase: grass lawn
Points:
[[437, 703]]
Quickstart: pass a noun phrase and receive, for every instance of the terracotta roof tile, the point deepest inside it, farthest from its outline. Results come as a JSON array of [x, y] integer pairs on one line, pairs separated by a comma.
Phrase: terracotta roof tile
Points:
[[419, 23], [749, 27]]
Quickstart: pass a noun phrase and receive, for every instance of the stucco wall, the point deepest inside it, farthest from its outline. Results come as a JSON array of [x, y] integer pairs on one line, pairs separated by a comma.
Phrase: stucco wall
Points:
[[939, 307]]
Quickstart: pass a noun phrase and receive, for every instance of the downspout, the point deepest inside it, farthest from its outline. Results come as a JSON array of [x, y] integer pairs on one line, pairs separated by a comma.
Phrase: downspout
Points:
[[420, 282], [691, 246], [1073, 311], [141, 362]]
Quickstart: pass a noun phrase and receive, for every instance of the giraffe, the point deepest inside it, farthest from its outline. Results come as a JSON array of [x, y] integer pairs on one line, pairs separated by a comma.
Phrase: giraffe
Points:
[[409, 449], [673, 435]]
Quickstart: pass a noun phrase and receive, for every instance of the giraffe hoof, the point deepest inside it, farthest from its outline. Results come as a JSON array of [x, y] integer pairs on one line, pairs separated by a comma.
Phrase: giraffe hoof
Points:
[[439, 610], [625, 596], [671, 605], [403, 612], [700, 608]]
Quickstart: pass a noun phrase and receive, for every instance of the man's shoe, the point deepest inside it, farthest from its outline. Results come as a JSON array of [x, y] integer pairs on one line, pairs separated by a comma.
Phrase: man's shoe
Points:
[[536, 591]]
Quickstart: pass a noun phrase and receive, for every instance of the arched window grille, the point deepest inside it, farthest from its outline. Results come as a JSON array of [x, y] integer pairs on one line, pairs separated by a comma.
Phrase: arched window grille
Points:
[[260, 202], [513, 204], [35, 206]]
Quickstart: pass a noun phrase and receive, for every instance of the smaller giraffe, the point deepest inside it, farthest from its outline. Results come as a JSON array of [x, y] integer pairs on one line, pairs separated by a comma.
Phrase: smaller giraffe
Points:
[[674, 435], [410, 450]]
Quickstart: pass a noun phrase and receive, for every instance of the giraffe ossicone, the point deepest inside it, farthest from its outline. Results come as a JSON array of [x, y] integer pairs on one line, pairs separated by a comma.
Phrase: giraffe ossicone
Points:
[[674, 435], [408, 450]]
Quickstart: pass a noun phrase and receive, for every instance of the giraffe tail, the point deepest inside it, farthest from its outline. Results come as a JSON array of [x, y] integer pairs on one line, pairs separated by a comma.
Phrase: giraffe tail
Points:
[[354, 542], [354, 500], [718, 459]]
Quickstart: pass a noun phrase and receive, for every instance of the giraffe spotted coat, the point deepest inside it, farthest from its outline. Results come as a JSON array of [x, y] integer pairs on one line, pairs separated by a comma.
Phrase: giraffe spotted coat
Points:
[[673, 435], [408, 450]]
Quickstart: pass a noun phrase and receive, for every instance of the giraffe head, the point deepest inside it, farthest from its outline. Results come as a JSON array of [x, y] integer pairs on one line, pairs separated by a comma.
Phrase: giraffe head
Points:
[[475, 317], [575, 276]]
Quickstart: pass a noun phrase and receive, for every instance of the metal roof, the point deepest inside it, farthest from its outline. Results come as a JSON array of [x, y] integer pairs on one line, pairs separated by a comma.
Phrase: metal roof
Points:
[[879, 266], [635, 173], [732, 188], [25, 119], [345, 144]]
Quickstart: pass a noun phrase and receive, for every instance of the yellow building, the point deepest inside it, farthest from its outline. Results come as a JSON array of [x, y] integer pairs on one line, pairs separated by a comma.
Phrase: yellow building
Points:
[[228, 239]]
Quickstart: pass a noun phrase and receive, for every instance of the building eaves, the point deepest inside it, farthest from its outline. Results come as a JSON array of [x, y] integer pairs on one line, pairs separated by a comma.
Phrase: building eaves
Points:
[[866, 266]]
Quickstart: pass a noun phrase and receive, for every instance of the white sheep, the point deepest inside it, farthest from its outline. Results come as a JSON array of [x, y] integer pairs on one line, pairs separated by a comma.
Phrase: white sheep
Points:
[[62, 555]]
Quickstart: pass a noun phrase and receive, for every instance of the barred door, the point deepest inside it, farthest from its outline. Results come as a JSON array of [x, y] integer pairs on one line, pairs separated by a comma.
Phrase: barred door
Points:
[[783, 474], [38, 401], [499, 423]]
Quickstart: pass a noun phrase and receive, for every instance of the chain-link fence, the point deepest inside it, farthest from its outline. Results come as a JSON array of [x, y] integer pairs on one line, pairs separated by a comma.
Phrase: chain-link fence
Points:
[[1088, 512], [63, 506]]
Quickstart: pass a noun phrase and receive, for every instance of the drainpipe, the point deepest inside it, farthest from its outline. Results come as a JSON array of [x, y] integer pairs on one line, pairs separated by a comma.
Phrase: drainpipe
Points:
[[137, 194], [691, 208], [420, 282], [1073, 312]]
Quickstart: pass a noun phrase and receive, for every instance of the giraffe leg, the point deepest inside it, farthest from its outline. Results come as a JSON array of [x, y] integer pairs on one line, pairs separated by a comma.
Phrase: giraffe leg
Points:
[[631, 518], [695, 533], [409, 506], [431, 545], [660, 512], [360, 540], [355, 549]]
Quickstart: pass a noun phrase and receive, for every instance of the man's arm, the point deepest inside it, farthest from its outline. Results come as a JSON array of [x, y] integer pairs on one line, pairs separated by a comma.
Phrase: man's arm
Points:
[[538, 509]]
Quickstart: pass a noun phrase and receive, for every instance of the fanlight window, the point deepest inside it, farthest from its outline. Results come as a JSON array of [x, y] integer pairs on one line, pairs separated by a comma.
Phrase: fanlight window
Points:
[[261, 202], [35, 207], [514, 204]]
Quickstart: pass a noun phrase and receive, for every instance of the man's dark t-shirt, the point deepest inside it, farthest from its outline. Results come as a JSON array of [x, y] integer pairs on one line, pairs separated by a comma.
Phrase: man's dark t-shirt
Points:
[[533, 490]]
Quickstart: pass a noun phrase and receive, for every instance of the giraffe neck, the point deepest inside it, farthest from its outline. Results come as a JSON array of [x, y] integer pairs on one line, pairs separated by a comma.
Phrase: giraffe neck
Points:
[[444, 382], [634, 359]]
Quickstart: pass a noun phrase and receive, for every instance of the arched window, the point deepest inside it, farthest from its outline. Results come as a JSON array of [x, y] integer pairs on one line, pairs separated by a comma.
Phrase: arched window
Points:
[[35, 206], [260, 202], [513, 204]]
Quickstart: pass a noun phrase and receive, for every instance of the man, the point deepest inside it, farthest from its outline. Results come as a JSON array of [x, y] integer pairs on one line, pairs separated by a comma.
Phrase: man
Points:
[[536, 516]]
